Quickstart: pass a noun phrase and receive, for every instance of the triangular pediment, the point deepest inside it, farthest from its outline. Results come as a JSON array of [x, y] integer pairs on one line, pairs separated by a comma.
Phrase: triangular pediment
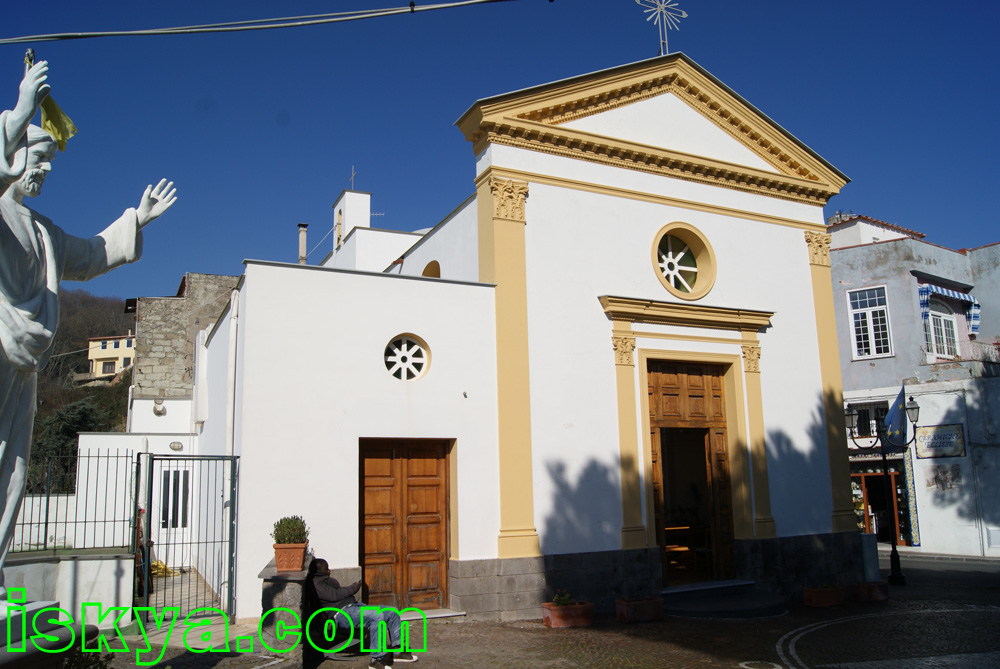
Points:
[[666, 115], [668, 123]]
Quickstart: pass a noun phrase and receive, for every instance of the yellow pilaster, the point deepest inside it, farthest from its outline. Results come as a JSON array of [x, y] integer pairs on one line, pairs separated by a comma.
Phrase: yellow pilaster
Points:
[[844, 519], [633, 530], [763, 521], [501, 221]]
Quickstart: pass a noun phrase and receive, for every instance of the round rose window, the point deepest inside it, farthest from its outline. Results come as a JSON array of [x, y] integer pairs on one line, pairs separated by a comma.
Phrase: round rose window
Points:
[[407, 357], [684, 261]]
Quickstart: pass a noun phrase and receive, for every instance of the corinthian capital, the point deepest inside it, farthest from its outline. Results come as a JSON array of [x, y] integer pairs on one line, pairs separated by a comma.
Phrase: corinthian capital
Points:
[[819, 248], [624, 345], [751, 358], [508, 198]]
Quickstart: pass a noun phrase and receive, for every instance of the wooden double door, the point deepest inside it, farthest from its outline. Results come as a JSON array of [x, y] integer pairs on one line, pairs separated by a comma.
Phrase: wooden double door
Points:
[[404, 522], [692, 496]]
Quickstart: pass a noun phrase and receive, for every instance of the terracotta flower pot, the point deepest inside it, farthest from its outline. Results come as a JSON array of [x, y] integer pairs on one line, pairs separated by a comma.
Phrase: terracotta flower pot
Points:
[[580, 614], [639, 610], [289, 557], [823, 596]]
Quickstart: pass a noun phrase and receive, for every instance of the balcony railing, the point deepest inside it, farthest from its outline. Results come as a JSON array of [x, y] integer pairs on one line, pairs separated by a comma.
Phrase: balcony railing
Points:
[[980, 351]]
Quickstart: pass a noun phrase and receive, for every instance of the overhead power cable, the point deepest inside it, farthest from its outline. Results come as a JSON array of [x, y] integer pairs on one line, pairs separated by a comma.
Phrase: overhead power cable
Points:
[[258, 24]]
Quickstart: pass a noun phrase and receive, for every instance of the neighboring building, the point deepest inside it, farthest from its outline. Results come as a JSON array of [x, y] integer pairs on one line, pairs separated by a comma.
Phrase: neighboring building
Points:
[[912, 312], [165, 341], [583, 377], [109, 356]]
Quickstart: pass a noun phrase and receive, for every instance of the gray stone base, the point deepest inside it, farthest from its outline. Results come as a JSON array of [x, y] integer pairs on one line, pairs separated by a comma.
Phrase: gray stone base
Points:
[[514, 589], [787, 564]]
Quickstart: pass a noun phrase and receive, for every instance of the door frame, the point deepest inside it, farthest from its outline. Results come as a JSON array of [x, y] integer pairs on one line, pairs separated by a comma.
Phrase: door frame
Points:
[[736, 434], [449, 480]]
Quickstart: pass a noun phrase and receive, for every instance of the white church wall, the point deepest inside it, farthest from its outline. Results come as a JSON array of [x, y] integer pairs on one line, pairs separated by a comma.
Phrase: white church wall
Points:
[[301, 420], [453, 243], [581, 245], [215, 388]]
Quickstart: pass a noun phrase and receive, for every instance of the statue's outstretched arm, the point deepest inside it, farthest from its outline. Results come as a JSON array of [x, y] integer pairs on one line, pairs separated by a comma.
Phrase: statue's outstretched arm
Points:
[[155, 201], [32, 91]]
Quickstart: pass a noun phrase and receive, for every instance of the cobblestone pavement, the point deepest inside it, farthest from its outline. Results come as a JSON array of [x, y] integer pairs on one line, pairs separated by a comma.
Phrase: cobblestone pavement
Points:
[[940, 619]]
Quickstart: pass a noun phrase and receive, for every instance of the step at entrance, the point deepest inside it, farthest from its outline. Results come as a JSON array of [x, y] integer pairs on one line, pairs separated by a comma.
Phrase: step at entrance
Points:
[[721, 599]]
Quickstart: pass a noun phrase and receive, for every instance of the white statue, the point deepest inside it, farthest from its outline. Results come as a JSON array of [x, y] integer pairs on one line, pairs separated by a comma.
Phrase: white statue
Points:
[[35, 255]]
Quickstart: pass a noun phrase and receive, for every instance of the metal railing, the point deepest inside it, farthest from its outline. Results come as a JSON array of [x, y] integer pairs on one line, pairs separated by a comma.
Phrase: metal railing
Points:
[[979, 350], [78, 501]]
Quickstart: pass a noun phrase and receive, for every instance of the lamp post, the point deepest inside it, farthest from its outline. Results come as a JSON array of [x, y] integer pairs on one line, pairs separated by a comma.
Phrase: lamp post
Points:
[[912, 413]]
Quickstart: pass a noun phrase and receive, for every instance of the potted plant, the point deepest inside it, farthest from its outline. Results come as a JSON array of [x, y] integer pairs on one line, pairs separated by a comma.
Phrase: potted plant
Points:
[[291, 536], [564, 611], [824, 595]]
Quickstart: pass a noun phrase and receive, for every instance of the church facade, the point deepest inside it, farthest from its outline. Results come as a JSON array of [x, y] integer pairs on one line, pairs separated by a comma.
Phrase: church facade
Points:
[[614, 367]]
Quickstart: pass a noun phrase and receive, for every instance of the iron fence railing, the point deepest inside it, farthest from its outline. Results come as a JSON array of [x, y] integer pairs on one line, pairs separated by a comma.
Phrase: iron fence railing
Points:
[[77, 501]]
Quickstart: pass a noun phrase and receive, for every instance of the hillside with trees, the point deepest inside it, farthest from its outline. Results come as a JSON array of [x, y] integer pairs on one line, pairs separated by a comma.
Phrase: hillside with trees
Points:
[[64, 408]]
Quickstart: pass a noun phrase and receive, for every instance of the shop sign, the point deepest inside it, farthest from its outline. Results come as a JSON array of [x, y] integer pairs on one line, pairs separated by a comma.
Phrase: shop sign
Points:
[[940, 441]]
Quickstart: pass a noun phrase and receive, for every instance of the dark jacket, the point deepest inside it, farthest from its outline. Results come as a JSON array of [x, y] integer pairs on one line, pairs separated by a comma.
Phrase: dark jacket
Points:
[[330, 592]]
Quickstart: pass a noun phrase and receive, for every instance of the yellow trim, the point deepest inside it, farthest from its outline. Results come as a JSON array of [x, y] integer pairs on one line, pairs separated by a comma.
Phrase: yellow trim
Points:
[[704, 258], [763, 521], [843, 518], [690, 315], [629, 456], [531, 119], [612, 191], [736, 433], [500, 215], [580, 145]]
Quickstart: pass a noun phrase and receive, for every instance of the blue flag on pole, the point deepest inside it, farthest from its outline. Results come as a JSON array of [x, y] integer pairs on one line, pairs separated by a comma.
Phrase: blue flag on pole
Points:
[[895, 424]]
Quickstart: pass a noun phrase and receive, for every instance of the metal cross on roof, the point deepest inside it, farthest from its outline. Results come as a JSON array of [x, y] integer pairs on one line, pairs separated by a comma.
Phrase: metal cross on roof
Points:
[[666, 15]]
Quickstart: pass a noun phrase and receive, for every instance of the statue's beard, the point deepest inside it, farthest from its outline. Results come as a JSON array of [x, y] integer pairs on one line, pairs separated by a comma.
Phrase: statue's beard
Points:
[[31, 182]]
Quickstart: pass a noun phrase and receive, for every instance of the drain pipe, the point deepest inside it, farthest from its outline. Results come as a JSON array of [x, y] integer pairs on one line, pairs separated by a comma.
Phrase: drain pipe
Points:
[[234, 304]]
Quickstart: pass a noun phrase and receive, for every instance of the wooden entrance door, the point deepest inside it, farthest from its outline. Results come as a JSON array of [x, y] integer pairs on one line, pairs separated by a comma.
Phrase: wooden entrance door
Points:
[[691, 483], [404, 552]]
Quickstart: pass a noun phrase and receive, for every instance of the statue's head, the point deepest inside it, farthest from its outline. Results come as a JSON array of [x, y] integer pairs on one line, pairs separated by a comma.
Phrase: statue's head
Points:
[[41, 151]]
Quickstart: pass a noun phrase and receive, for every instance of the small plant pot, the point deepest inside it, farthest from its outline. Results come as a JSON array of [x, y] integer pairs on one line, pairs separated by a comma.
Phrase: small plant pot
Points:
[[639, 610], [289, 557], [820, 597], [580, 614]]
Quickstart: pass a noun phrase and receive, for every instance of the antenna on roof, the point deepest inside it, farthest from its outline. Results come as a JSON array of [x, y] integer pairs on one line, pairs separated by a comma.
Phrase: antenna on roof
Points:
[[666, 15]]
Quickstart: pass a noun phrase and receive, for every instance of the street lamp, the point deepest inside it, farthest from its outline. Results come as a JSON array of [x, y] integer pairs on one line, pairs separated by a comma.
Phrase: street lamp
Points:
[[912, 413]]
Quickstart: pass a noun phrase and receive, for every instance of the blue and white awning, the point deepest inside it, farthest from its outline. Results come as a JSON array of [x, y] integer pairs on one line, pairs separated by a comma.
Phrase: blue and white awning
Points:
[[971, 314]]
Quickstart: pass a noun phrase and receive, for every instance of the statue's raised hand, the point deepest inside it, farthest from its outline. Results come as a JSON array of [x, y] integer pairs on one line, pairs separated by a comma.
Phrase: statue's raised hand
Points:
[[33, 89], [155, 201]]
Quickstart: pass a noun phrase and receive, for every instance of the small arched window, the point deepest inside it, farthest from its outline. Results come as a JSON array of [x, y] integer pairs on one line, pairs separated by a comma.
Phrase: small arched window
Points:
[[433, 269]]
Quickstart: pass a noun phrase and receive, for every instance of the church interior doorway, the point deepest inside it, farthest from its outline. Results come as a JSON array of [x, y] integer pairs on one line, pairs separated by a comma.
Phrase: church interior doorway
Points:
[[692, 498]]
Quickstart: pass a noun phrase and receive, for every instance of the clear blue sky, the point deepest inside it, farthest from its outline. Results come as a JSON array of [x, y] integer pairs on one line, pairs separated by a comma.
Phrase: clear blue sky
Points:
[[260, 130]]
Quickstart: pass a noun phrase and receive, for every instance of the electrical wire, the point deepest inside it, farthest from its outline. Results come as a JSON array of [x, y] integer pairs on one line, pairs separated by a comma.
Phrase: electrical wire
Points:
[[258, 24], [309, 253]]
